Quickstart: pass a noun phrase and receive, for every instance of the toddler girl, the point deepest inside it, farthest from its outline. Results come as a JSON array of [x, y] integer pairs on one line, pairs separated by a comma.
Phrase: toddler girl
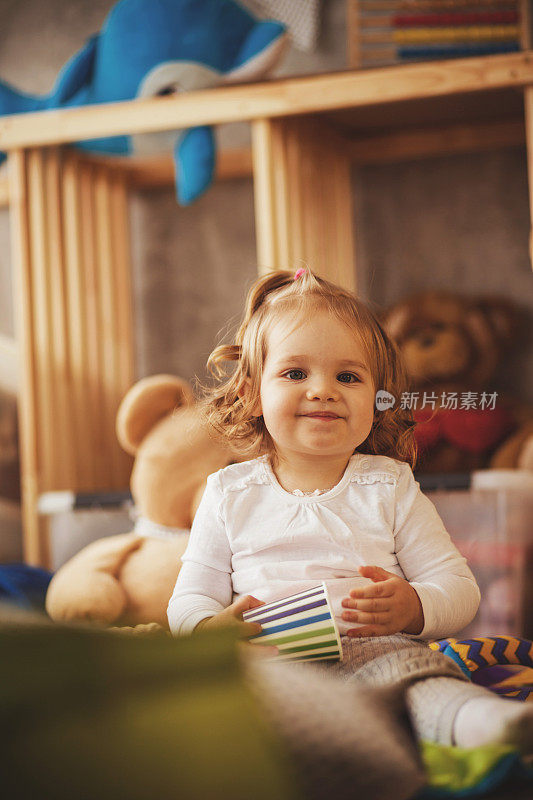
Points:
[[328, 494]]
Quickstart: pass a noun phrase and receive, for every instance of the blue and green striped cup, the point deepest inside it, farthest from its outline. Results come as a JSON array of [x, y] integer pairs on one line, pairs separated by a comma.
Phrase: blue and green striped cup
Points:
[[301, 626]]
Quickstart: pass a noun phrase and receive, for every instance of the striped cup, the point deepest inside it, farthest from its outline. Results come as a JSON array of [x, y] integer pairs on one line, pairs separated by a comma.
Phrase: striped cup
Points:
[[301, 626]]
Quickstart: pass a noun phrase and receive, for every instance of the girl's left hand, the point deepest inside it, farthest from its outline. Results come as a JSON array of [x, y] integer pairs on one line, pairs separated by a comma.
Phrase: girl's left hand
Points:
[[389, 605]]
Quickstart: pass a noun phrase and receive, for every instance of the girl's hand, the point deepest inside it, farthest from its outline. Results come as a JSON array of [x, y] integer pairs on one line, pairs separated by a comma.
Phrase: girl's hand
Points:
[[389, 605], [232, 616]]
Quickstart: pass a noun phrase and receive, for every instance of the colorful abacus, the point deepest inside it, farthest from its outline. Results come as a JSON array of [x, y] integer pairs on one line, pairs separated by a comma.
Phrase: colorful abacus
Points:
[[384, 32]]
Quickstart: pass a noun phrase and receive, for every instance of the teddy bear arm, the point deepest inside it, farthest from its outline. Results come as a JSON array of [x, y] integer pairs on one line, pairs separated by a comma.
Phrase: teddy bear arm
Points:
[[516, 451]]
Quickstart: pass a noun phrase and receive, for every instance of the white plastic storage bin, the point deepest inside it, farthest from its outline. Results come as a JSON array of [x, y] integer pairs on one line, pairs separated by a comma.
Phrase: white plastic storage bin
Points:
[[492, 526], [71, 531]]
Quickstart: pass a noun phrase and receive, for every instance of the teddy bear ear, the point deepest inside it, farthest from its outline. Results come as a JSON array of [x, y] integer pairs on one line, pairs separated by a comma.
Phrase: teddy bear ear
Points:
[[148, 401], [396, 319], [504, 318]]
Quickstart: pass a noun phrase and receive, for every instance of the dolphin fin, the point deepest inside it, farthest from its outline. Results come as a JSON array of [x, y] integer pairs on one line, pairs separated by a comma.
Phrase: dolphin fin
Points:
[[260, 51], [194, 160], [14, 102], [75, 74]]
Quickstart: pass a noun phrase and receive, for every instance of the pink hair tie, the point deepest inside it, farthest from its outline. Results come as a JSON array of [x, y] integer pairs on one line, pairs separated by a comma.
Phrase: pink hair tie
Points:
[[299, 273]]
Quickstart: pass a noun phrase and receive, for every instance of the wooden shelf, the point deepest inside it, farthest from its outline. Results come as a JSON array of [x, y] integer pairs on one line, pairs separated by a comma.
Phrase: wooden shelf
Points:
[[437, 140], [317, 94], [158, 170]]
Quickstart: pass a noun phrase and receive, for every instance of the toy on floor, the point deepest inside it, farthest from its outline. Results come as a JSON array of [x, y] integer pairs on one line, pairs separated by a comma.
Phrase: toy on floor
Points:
[[452, 347], [148, 48], [23, 586], [504, 664], [128, 579]]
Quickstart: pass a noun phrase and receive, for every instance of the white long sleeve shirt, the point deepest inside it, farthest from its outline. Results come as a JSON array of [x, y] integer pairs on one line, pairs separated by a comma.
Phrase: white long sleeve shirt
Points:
[[251, 536]]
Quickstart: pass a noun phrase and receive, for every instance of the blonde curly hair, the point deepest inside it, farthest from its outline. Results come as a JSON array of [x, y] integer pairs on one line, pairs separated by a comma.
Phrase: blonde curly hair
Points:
[[228, 405]]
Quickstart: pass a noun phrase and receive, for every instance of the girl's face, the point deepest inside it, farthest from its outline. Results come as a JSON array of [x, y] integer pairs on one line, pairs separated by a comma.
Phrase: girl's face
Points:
[[317, 394]]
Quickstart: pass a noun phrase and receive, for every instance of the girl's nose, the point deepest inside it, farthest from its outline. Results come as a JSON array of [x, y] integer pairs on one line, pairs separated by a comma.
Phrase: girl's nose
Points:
[[322, 392]]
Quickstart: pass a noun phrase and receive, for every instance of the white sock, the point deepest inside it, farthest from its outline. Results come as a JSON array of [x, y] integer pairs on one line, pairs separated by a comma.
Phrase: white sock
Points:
[[494, 720]]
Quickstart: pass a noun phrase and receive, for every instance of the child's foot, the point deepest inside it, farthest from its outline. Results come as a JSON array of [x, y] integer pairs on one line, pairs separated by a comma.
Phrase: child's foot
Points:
[[494, 720]]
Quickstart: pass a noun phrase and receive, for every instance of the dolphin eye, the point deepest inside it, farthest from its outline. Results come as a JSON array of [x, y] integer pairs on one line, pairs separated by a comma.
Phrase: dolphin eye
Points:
[[172, 88]]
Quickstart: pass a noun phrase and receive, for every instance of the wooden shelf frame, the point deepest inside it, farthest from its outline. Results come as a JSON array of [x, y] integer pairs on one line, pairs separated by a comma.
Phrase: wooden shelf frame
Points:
[[76, 340], [317, 94], [151, 172]]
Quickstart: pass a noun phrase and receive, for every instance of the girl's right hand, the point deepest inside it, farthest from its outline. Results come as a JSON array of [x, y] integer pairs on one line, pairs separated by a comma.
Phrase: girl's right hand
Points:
[[232, 616]]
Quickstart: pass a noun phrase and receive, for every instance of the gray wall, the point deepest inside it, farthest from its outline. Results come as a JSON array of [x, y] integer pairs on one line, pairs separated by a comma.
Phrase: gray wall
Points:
[[460, 222], [192, 267]]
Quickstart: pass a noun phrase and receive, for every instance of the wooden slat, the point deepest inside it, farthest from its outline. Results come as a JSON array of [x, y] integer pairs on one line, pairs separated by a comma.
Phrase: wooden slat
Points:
[[437, 141], [81, 407], [115, 329], [108, 359], [97, 456], [294, 96], [61, 421], [123, 311], [34, 541], [42, 316], [528, 105]]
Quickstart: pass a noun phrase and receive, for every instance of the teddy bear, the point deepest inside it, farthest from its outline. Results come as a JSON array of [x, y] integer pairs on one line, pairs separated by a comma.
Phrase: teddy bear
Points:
[[452, 346], [127, 580]]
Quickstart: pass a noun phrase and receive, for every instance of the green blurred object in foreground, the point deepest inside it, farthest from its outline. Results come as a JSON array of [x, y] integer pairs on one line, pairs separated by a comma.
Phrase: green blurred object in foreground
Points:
[[97, 715]]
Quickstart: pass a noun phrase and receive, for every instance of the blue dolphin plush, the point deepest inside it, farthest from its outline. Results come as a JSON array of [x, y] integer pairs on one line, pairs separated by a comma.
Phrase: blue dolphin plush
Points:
[[158, 47]]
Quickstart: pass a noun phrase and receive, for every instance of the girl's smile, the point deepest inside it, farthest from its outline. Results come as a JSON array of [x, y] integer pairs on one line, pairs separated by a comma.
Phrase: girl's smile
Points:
[[322, 417]]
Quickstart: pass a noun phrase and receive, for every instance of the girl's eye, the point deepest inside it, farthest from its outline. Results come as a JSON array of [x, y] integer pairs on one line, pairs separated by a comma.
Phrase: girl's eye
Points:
[[348, 377], [295, 374]]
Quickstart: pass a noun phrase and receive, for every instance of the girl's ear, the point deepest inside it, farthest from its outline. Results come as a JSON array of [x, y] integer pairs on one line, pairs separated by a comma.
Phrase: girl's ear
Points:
[[244, 393]]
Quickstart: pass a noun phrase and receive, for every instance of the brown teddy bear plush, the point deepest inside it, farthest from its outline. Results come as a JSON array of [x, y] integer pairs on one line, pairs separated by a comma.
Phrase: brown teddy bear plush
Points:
[[128, 579], [452, 346]]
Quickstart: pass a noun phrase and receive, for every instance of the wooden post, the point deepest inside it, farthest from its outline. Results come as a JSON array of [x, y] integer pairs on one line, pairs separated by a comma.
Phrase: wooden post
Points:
[[525, 24], [303, 198], [353, 43], [528, 109], [35, 550], [73, 314]]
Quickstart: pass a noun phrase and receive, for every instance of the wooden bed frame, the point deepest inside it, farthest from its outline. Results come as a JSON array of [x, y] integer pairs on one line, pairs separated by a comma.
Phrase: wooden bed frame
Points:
[[69, 223]]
